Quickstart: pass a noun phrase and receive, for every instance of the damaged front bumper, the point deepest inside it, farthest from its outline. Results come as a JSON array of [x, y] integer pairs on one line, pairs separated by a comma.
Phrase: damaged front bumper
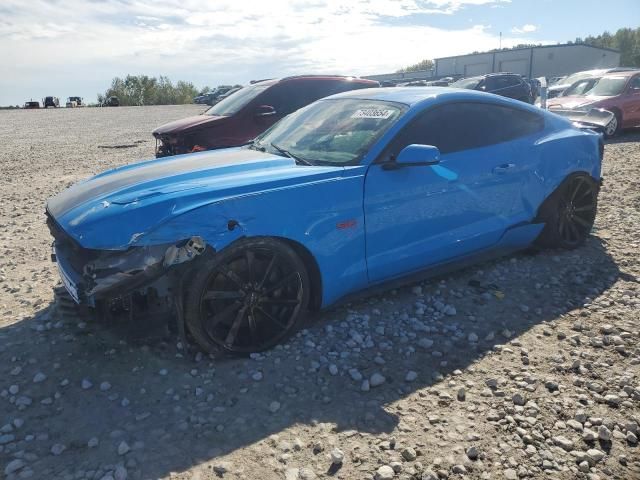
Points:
[[591, 118], [90, 275]]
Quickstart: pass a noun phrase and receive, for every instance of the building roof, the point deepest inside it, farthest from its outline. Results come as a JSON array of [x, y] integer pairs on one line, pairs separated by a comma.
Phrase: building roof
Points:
[[529, 48]]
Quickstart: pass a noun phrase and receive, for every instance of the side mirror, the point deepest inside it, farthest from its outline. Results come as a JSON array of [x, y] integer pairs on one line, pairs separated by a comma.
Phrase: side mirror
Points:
[[264, 111], [418, 155]]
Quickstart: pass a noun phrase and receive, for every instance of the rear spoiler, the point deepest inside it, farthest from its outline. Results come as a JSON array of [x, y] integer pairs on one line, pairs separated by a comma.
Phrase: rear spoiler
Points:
[[594, 119]]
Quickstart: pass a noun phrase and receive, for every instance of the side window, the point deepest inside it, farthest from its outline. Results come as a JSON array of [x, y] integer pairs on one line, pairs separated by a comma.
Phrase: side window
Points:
[[281, 97], [317, 89], [634, 85], [491, 83], [290, 96], [464, 126], [504, 81], [512, 81]]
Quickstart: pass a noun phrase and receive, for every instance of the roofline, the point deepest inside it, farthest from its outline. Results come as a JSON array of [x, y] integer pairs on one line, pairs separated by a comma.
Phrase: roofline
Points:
[[530, 48], [354, 77]]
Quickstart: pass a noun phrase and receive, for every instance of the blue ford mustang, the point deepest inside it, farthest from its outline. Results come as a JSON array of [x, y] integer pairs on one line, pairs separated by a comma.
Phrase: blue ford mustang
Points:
[[353, 191]]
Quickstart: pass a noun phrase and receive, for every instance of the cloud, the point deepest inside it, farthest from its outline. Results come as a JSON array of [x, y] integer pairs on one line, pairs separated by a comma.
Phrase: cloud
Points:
[[526, 28], [227, 41]]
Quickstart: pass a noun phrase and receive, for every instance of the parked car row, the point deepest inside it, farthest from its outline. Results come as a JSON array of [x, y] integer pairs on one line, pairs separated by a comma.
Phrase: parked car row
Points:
[[213, 97], [505, 84], [240, 114], [248, 112], [561, 84], [54, 102], [617, 91]]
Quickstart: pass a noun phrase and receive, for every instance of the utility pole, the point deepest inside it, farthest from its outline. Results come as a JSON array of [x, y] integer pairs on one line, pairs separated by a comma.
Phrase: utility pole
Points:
[[500, 41]]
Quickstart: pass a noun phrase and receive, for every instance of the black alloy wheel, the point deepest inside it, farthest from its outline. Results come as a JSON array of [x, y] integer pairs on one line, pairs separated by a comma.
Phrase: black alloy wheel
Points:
[[569, 214], [248, 298]]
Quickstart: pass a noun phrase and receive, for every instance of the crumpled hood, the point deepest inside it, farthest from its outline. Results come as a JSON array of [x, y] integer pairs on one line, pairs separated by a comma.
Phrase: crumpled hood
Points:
[[117, 208], [574, 102], [189, 123]]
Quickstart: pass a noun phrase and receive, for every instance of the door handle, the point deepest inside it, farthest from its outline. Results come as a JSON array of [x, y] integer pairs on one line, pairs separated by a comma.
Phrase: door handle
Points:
[[504, 168]]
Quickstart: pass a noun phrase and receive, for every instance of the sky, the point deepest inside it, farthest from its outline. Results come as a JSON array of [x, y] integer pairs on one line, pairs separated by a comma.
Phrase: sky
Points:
[[75, 47]]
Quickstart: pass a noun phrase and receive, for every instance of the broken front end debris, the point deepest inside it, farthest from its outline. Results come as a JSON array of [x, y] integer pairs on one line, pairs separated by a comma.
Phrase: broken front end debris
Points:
[[92, 275]]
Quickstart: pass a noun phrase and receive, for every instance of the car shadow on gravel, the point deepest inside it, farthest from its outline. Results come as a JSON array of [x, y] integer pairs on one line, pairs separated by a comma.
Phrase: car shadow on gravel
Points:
[[627, 136], [158, 411]]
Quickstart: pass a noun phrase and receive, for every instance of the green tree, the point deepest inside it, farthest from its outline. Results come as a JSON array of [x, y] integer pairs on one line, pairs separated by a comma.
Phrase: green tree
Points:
[[627, 40], [134, 90], [418, 67]]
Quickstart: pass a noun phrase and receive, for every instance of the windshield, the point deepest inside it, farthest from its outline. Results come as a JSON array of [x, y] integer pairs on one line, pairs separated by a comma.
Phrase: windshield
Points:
[[236, 101], [581, 87], [331, 132], [469, 83], [571, 79], [609, 86]]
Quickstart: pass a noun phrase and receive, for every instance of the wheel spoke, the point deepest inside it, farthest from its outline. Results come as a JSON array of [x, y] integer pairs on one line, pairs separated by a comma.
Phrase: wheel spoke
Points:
[[267, 272], [231, 275], [249, 257], [223, 295], [281, 283], [585, 208], [271, 317], [581, 221], [577, 188], [280, 301], [221, 316], [575, 234], [253, 328], [562, 227], [584, 195], [235, 326]]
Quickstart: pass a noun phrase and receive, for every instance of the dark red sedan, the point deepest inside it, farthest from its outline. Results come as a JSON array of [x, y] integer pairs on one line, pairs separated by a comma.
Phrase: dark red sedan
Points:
[[248, 112], [617, 92]]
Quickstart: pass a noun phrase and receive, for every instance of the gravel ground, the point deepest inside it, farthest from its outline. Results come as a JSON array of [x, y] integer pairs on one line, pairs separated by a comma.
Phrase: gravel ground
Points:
[[527, 367]]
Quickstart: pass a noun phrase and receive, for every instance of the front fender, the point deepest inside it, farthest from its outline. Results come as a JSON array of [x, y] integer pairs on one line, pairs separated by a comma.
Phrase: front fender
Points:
[[325, 217]]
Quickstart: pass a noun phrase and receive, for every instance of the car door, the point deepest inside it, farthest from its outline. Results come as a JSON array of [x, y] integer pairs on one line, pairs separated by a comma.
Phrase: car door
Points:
[[631, 103], [421, 216]]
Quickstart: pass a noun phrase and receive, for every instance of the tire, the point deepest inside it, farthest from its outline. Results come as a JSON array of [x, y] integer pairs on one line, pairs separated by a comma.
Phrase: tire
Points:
[[569, 213], [613, 127], [247, 298]]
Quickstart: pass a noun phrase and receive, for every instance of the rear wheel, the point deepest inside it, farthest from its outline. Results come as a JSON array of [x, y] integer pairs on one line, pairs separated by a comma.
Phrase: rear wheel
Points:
[[248, 298], [569, 213]]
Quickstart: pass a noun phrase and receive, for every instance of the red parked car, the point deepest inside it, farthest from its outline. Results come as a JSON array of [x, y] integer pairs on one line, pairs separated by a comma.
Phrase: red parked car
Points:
[[617, 92], [248, 112]]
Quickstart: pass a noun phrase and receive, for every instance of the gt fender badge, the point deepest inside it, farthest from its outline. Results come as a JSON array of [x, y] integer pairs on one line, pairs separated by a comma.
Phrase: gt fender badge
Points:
[[346, 224]]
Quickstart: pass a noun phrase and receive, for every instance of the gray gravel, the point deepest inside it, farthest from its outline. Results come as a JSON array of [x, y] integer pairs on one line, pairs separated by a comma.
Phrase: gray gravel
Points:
[[539, 378]]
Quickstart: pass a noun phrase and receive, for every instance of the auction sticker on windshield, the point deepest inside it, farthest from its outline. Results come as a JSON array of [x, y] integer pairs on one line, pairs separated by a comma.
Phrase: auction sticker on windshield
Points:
[[372, 113]]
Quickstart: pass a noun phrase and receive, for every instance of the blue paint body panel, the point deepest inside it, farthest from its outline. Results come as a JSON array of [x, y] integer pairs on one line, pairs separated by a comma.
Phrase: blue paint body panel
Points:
[[399, 221]]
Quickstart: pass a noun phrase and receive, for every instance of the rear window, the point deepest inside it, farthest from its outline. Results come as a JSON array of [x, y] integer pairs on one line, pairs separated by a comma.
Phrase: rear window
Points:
[[469, 83]]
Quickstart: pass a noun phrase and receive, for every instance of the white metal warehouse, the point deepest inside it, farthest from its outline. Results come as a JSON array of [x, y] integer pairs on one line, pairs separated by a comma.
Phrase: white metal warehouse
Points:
[[532, 62]]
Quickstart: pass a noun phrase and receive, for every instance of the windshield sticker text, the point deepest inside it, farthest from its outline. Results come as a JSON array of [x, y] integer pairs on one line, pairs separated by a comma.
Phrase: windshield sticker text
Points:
[[372, 113]]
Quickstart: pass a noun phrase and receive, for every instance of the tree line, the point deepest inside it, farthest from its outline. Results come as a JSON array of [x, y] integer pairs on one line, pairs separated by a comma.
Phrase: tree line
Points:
[[137, 90], [627, 40]]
